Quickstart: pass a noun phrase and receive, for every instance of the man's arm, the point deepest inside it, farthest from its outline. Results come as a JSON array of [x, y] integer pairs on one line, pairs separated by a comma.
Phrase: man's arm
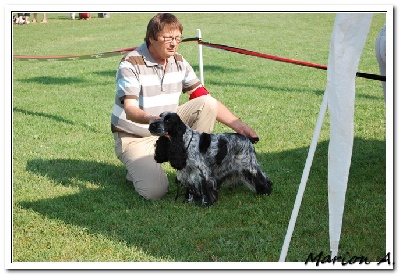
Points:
[[135, 114], [225, 116]]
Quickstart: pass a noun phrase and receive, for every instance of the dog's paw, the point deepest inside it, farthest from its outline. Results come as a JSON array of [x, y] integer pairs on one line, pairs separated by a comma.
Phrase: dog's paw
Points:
[[265, 188], [210, 198], [191, 197], [205, 201]]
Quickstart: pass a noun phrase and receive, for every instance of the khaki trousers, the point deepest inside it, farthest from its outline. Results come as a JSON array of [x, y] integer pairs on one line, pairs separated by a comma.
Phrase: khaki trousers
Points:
[[137, 154]]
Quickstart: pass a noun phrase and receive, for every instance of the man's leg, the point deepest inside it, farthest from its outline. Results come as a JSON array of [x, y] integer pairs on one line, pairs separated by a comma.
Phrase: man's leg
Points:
[[137, 154], [199, 113]]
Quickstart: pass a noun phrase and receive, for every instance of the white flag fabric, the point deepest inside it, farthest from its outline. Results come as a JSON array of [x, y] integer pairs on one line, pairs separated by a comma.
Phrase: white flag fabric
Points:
[[347, 42]]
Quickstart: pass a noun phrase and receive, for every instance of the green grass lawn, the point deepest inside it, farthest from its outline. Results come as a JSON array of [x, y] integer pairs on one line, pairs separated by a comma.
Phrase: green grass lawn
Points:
[[70, 199]]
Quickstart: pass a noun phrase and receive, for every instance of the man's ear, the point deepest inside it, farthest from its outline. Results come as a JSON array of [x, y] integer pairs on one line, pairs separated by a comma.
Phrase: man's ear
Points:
[[151, 40]]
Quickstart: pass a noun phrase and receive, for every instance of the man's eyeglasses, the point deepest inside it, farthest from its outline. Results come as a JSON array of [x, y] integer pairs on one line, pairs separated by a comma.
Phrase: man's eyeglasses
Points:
[[169, 39]]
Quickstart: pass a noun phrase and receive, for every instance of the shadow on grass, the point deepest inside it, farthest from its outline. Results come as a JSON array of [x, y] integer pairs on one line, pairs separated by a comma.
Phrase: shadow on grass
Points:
[[241, 226], [56, 118], [107, 73], [53, 117], [50, 80]]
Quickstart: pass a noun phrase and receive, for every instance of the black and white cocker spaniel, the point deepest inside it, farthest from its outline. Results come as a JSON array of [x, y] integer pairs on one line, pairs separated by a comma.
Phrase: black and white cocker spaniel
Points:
[[204, 161]]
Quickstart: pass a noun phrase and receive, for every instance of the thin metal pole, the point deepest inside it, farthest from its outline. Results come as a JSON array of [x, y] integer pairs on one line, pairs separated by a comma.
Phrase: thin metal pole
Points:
[[200, 57]]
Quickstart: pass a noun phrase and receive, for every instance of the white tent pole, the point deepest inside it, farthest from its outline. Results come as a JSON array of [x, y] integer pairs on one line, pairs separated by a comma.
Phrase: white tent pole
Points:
[[198, 31], [304, 178]]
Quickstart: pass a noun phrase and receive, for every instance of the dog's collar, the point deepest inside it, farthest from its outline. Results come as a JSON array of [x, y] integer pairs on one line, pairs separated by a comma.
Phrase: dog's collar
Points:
[[191, 137]]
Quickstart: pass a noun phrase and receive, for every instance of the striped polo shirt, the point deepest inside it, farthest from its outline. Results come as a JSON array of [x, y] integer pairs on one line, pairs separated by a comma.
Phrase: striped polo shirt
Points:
[[140, 77]]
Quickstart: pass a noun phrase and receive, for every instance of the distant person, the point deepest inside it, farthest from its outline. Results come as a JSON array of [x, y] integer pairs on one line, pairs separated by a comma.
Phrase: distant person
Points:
[[71, 15], [23, 18], [380, 53], [44, 20], [85, 16]]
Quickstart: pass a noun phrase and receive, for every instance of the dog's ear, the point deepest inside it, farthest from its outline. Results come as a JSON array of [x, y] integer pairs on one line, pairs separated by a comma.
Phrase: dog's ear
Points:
[[177, 153], [162, 149]]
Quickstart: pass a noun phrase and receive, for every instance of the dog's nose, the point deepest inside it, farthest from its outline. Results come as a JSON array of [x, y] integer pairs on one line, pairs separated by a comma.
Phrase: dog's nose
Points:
[[152, 128]]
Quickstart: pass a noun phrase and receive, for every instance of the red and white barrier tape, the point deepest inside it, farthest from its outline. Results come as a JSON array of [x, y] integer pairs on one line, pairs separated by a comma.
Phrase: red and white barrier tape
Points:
[[207, 44]]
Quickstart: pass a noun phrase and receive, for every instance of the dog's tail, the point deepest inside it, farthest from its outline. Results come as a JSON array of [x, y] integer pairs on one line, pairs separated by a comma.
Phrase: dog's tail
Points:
[[254, 140], [263, 184]]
